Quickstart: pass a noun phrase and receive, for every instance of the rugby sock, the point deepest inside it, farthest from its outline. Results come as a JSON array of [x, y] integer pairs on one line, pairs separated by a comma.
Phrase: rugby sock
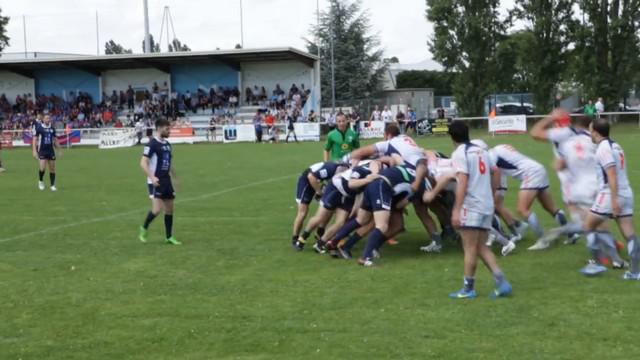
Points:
[[468, 283], [634, 253], [437, 238], [513, 229], [148, 220], [305, 235], [320, 232], [500, 238], [592, 246], [498, 277], [41, 175], [495, 223], [606, 239], [535, 225], [168, 225], [52, 178], [352, 241], [375, 240], [560, 217], [346, 229]]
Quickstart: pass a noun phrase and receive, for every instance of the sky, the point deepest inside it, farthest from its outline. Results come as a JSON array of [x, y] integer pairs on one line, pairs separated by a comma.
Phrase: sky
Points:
[[69, 26]]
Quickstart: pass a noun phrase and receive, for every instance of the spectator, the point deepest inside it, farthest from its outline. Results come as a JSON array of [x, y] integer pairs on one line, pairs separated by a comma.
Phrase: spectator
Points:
[[376, 115], [312, 117], [413, 120], [139, 130], [257, 124], [387, 115], [400, 119], [599, 106], [130, 98], [590, 109]]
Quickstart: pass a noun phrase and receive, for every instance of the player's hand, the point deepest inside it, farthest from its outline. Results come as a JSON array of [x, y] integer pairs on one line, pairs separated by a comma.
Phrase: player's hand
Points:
[[35, 155], [318, 196], [155, 181], [615, 208], [372, 177]]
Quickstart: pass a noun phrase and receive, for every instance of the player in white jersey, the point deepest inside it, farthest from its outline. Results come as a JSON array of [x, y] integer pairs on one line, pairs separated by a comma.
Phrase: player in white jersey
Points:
[[556, 135], [412, 156], [533, 184], [473, 210], [614, 200]]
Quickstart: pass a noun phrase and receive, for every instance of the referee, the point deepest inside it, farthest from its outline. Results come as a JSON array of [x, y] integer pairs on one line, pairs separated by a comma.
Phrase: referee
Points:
[[340, 141]]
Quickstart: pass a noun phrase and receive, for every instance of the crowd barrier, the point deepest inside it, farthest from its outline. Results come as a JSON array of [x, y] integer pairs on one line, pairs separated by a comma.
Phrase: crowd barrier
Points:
[[111, 138]]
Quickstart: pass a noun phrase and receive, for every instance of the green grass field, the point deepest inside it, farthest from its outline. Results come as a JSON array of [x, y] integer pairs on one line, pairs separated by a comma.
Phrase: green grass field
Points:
[[75, 283]]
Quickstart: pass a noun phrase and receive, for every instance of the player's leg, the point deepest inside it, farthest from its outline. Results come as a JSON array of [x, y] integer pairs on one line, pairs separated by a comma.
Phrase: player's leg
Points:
[[376, 237], [168, 222], [301, 214], [304, 196], [151, 215], [525, 201], [429, 225], [42, 166], [627, 228], [364, 217], [321, 218], [52, 174], [339, 219], [503, 288], [470, 247], [545, 199], [346, 246], [516, 227]]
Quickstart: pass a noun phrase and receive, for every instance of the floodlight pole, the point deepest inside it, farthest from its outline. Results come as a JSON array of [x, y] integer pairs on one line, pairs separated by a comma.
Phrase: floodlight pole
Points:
[[147, 39], [333, 65], [97, 35], [24, 34], [241, 26], [318, 25]]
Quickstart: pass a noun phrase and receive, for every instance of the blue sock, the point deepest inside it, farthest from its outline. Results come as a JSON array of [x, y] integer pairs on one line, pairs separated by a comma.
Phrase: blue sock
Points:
[[468, 283], [346, 229], [606, 239], [375, 240], [437, 238], [352, 241], [593, 247], [535, 225], [498, 277]]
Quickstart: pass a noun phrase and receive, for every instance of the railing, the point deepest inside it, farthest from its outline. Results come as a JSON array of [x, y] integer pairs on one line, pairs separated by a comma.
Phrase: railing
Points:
[[614, 116]]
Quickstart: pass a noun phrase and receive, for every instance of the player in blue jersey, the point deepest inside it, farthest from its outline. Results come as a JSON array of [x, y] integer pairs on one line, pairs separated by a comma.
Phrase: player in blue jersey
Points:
[[157, 164], [44, 145], [309, 186]]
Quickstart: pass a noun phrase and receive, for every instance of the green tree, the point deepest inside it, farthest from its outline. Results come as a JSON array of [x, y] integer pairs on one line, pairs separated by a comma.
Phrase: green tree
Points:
[[176, 45], [4, 39], [513, 63], [359, 64], [441, 82], [466, 34], [544, 51], [607, 48], [155, 47], [111, 47]]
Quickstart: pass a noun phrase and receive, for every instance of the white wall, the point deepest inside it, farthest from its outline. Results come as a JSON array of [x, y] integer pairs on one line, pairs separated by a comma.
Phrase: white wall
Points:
[[137, 78], [12, 85], [268, 74]]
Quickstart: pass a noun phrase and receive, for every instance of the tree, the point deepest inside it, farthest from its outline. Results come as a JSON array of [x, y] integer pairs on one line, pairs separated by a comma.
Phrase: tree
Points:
[[111, 48], [358, 60], [155, 47], [392, 60], [466, 34], [4, 39], [176, 45], [547, 23], [607, 48], [513, 63], [441, 82]]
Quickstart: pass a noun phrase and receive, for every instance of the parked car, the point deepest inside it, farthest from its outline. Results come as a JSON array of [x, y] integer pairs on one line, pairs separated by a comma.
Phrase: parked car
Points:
[[514, 109]]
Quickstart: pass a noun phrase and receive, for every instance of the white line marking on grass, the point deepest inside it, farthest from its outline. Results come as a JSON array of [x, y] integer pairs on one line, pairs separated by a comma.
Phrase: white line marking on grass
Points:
[[123, 214]]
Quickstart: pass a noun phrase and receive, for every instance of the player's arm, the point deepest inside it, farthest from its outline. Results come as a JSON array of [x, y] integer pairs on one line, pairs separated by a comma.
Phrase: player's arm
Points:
[[461, 190], [559, 164], [496, 175], [612, 177], [402, 203], [429, 196], [327, 148], [34, 146], [539, 130], [421, 172], [363, 153], [144, 164], [358, 183], [315, 183]]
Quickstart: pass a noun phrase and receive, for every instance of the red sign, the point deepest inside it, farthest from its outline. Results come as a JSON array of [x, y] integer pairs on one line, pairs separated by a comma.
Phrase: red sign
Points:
[[178, 132], [6, 140]]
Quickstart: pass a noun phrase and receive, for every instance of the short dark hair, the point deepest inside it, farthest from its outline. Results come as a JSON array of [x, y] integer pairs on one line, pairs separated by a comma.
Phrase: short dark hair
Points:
[[392, 129], [601, 126], [162, 122], [459, 131], [583, 121]]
